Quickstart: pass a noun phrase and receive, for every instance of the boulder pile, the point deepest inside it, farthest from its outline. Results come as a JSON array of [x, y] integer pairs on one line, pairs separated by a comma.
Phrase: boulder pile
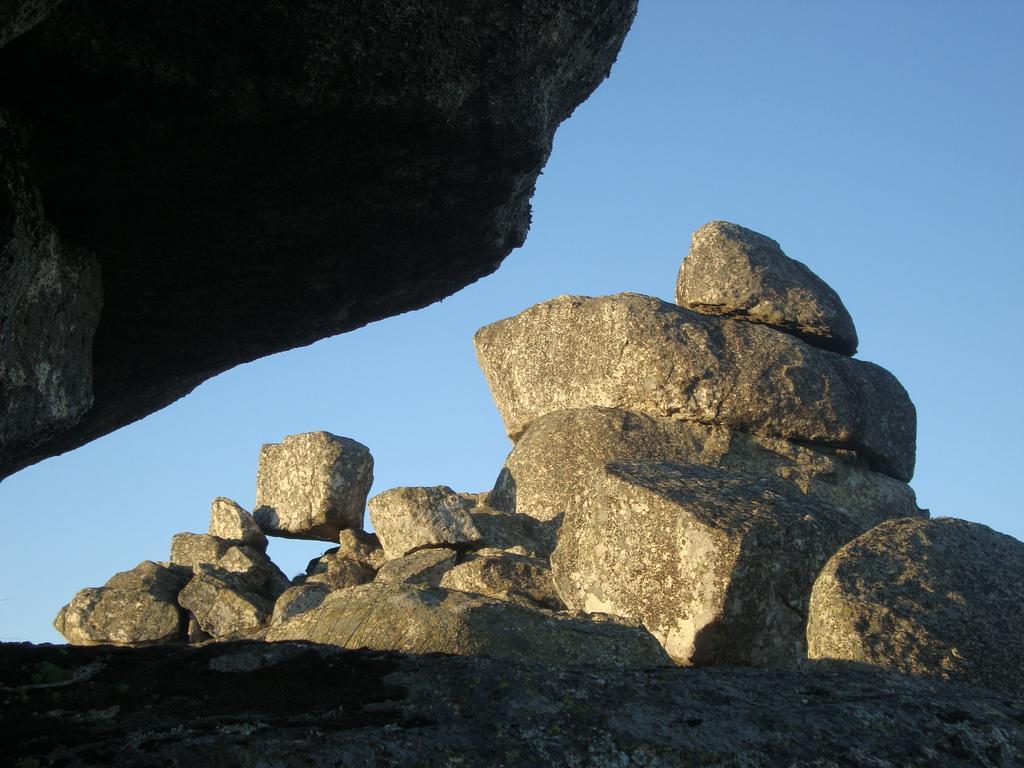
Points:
[[715, 481]]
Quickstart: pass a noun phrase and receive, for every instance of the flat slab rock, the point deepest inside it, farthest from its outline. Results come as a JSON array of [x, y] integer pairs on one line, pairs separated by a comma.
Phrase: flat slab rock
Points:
[[299, 704], [642, 354], [942, 597], [736, 272]]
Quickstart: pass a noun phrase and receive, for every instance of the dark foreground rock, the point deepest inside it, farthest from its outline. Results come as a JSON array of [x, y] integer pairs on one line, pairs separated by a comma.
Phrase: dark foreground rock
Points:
[[295, 704], [256, 176]]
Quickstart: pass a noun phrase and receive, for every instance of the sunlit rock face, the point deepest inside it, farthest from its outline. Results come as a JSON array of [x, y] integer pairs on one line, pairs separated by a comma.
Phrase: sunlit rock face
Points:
[[251, 177]]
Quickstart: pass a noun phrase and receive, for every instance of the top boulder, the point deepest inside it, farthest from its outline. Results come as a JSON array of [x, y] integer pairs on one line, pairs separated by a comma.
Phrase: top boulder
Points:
[[736, 272]]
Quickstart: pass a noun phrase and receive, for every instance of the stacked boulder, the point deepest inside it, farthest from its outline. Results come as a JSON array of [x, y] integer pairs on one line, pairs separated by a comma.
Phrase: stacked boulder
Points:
[[715, 481]]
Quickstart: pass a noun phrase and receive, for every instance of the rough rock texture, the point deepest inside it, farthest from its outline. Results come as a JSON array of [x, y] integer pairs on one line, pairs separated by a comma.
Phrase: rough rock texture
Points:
[[190, 549], [312, 486], [736, 272], [253, 177], [19, 16], [510, 530], [415, 619], [259, 571], [135, 607], [362, 546], [229, 521], [296, 704], [642, 354], [717, 565], [337, 570], [553, 465], [295, 600], [407, 519], [425, 566], [50, 300], [225, 604], [941, 597], [510, 577]]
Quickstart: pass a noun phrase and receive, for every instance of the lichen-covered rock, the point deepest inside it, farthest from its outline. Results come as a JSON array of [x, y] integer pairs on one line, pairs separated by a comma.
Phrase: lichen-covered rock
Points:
[[259, 571], [356, 544], [416, 619], [512, 531], [507, 576], [135, 607], [337, 570], [224, 603], [50, 301], [943, 598], [554, 464], [407, 519], [736, 272], [717, 565], [295, 600], [312, 486], [641, 354], [190, 549], [324, 165], [229, 521], [424, 566]]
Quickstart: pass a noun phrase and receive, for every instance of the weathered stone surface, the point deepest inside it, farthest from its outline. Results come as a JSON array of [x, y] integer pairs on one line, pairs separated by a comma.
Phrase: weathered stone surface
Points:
[[510, 530], [424, 566], [190, 549], [717, 565], [295, 600], [942, 597], [323, 165], [258, 570], [555, 463], [514, 578], [19, 16], [312, 486], [361, 546], [415, 619], [229, 521], [338, 570], [224, 603], [135, 607], [407, 519], [50, 300], [296, 705], [642, 354], [739, 273]]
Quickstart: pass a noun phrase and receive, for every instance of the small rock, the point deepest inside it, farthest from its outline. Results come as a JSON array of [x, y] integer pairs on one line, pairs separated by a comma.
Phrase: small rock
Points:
[[298, 599], [136, 607], [514, 578], [510, 530], [739, 273], [717, 565], [193, 548], [312, 486], [258, 570], [407, 519], [224, 603], [229, 521], [338, 571], [364, 547], [942, 598], [415, 619], [424, 566]]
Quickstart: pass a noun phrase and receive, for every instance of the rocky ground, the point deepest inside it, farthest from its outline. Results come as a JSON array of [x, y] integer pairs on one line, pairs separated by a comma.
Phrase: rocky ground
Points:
[[297, 704]]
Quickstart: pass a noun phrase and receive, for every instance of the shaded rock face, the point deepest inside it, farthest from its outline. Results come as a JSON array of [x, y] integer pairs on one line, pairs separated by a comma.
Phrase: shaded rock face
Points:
[[254, 178], [717, 565], [554, 464], [506, 576], [407, 519], [312, 486], [136, 607], [736, 272], [936, 597], [641, 354], [50, 300], [416, 619], [224, 603], [425, 566]]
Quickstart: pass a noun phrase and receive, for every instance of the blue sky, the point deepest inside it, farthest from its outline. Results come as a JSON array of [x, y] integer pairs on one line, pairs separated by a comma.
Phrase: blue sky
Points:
[[877, 142]]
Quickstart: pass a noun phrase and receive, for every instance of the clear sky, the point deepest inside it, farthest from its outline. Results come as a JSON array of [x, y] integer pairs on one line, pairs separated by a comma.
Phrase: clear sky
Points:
[[878, 142]]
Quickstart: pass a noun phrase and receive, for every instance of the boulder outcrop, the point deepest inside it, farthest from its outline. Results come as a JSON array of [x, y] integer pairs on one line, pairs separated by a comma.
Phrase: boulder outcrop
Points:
[[417, 619], [927, 597], [255, 177], [639, 353], [736, 272], [229, 521], [312, 486], [407, 519], [424, 566]]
